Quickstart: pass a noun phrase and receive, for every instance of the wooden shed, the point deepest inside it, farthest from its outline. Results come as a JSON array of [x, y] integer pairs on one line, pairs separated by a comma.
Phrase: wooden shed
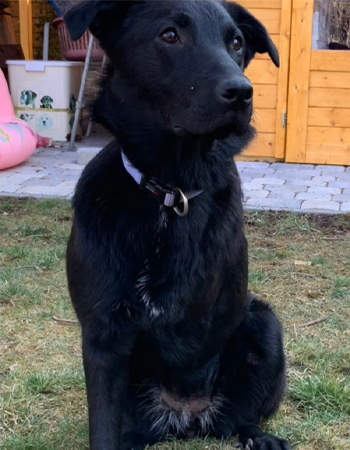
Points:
[[302, 109]]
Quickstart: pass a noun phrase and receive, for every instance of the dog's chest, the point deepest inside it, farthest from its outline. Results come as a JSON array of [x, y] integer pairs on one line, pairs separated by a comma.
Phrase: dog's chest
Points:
[[182, 269]]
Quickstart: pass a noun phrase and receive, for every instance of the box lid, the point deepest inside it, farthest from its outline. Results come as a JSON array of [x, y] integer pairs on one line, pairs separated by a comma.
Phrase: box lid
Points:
[[39, 66]]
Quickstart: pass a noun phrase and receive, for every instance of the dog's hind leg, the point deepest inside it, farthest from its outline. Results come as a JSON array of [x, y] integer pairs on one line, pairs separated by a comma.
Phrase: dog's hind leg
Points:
[[252, 379]]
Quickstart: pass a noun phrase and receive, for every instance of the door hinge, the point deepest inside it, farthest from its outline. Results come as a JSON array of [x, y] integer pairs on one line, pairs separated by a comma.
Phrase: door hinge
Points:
[[284, 118]]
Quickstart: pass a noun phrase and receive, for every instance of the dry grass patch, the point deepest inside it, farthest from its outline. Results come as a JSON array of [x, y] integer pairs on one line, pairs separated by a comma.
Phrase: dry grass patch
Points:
[[298, 263]]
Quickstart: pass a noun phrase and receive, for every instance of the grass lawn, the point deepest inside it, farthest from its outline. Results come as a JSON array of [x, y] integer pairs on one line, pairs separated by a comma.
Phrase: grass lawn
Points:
[[301, 264]]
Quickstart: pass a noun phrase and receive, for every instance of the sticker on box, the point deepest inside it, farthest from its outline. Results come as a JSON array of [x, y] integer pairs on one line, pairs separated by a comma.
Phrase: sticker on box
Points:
[[46, 102], [45, 122], [27, 98]]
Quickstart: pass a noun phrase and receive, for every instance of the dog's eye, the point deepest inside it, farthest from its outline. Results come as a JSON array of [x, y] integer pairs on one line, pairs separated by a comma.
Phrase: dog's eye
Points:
[[237, 44], [169, 36]]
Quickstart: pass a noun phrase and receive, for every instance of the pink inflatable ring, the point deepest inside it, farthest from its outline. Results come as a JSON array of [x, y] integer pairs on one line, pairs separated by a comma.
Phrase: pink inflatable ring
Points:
[[17, 140]]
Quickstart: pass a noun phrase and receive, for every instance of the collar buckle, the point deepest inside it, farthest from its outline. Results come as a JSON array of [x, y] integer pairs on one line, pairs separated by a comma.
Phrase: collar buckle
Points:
[[184, 200], [157, 191]]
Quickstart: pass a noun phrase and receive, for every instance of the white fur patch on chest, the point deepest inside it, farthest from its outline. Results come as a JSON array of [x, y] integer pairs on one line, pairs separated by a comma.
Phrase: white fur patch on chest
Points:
[[171, 414], [142, 291], [142, 282]]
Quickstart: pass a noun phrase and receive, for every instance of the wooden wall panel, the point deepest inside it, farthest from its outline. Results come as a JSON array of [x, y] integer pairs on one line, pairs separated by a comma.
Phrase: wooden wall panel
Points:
[[265, 96], [330, 79], [262, 72], [261, 4], [328, 154], [329, 97], [329, 117], [329, 135], [269, 82], [264, 120], [263, 146], [300, 62], [283, 77], [332, 61]]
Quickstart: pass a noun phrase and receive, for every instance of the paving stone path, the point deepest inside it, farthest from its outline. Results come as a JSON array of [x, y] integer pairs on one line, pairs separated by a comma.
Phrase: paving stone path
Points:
[[276, 186]]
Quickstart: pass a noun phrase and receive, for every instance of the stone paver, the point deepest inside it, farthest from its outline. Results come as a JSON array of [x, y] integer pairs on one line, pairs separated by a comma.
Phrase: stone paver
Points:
[[340, 184], [345, 207], [325, 190], [331, 168], [286, 187], [306, 181], [45, 174], [285, 195], [313, 196], [273, 203], [320, 205], [344, 198], [258, 193], [277, 186]]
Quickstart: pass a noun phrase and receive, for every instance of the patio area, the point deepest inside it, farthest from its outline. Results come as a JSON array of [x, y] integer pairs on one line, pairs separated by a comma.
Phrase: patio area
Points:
[[306, 188]]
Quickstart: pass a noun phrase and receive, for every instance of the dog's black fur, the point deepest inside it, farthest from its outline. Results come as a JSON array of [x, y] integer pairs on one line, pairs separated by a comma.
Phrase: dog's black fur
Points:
[[172, 342]]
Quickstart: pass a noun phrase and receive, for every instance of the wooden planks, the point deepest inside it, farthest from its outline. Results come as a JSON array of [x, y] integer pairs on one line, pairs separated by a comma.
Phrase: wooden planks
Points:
[[262, 71], [328, 154], [328, 135], [283, 76], [264, 120], [329, 97], [265, 96], [266, 78], [261, 4], [329, 117], [329, 112], [330, 79], [330, 60], [263, 145], [300, 62]]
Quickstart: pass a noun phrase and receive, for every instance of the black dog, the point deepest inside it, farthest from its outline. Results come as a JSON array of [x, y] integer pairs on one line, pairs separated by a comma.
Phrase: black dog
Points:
[[157, 258]]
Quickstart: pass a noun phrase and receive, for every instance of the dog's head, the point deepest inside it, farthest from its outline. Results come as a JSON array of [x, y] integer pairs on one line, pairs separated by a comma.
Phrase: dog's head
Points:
[[27, 97], [26, 117], [181, 61], [45, 121], [46, 101]]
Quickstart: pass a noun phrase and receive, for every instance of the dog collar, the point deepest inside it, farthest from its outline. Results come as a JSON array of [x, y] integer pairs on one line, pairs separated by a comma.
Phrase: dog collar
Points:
[[164, 194]]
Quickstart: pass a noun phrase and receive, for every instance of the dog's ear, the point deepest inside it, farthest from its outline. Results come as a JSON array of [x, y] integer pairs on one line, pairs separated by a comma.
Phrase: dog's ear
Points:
[[100, 16], [255, 34], [79, 18]]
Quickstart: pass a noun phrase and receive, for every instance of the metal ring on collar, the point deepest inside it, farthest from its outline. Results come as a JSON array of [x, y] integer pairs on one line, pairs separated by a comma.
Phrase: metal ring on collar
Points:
[[184, 199]]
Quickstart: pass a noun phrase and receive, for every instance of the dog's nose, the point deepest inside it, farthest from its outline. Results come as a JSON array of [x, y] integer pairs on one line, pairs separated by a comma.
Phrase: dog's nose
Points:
[[237, 91]]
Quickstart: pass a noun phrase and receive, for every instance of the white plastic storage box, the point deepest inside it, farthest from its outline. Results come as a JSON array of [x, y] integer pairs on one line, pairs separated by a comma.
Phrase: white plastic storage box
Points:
[[44, 94]]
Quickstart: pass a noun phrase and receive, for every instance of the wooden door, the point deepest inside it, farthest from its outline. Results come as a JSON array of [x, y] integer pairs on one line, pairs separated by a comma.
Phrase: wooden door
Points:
[[270, 83], [318, 129]]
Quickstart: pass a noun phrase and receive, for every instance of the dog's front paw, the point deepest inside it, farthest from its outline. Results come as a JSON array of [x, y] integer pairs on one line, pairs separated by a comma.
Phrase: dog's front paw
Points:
[[247, 446], [132, 441], [132, 445], [269, 442]]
